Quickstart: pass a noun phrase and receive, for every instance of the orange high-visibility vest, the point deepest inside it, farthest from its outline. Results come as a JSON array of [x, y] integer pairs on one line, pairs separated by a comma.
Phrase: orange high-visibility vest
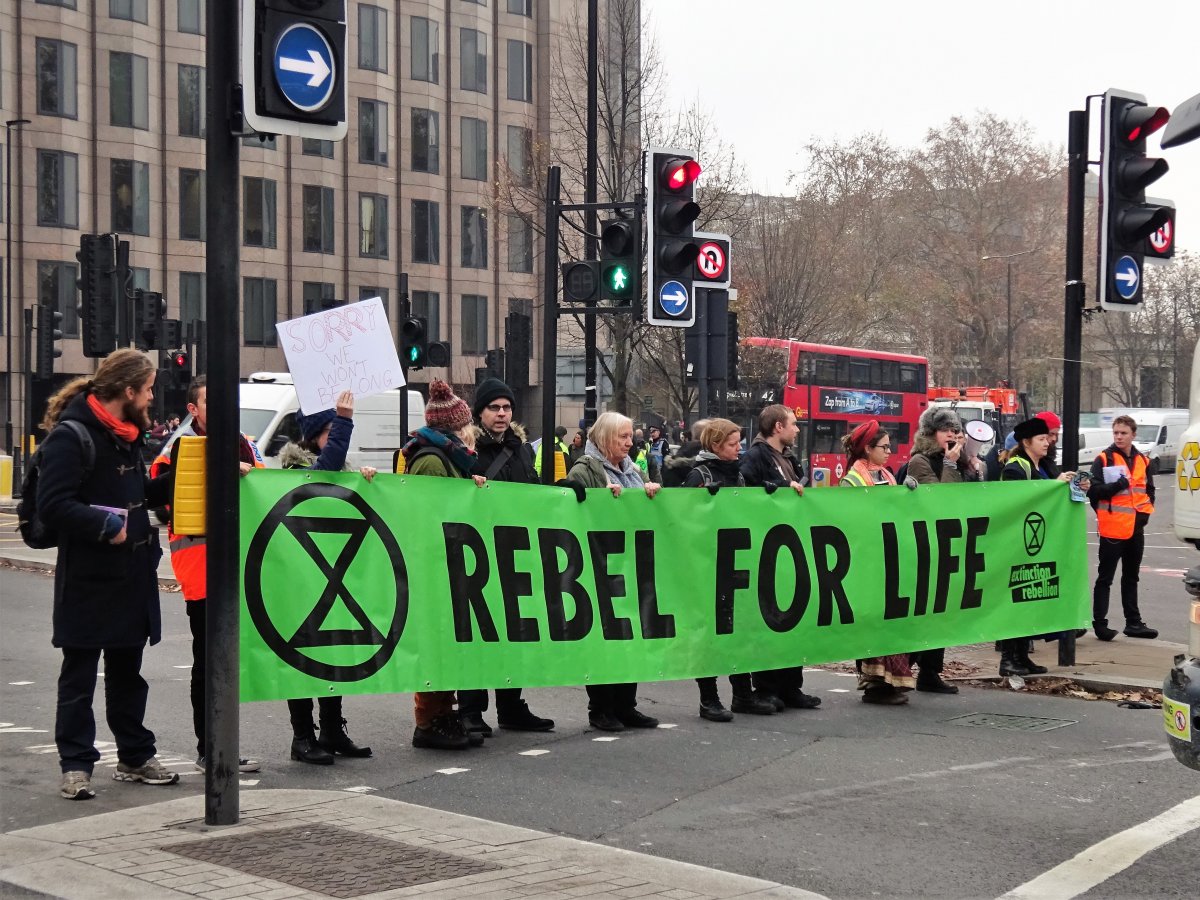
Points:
[[189, 554], [1116, 517]]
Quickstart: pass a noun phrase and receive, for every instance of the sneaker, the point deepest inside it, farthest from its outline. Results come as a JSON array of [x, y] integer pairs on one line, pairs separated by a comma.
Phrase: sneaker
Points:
[[1140, 630], [473, 722], [753, 705], [245, 765], [149, 772], [714, 711], [76, 786], [519, 718]]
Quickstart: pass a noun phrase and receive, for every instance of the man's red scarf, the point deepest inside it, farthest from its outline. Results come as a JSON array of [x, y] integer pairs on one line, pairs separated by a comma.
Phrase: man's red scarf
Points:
[[126, 431]]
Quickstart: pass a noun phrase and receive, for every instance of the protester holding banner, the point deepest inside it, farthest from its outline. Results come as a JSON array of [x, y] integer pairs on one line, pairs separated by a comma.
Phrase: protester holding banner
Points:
[[769, 463], [443, 449], [606, 464], [503, 455], [938, 459], [717, 466], [324, 443], [885, 680]]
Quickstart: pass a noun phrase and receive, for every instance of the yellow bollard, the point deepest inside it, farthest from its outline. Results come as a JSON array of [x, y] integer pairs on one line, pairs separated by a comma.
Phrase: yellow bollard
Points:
[[6, 475], [188, 505]]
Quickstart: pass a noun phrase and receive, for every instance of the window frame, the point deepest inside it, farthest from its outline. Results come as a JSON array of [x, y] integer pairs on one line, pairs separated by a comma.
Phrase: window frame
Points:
[[270, 236], [66, 201], [139, 202], [428, 305], [474, 224], [375, 152], [431, 231], [193, 175], [472, 135], [378, 47], [425, 66], [66, 88], [199, 116], [524, 264], [265, 327], [432, 148], [380, 225], [474, 337], [326, 221], [139, 71], [473, 63], [524, 88]]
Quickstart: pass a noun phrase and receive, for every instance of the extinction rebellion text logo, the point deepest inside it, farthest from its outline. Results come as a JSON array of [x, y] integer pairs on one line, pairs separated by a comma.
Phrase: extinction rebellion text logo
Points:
[[1034, 580]]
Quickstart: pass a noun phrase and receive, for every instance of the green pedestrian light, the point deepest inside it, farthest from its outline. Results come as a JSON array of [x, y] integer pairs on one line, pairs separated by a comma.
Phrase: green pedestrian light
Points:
[[619, 255]]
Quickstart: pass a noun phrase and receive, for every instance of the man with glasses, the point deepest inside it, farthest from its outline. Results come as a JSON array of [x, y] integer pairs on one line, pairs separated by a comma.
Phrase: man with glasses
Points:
[[503, 455], [938, 459]]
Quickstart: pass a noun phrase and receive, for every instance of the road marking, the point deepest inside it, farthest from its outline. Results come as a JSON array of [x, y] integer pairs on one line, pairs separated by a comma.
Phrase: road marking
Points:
[[361, 789], [1111, 856], [666, 725], [12, 728], [533, 753], [605, 740], [19, 683], [839, 690], [452, 771]]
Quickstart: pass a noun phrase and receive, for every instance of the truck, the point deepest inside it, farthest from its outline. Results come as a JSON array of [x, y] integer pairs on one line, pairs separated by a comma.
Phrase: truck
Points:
[[1000, 406], [1158, 433]]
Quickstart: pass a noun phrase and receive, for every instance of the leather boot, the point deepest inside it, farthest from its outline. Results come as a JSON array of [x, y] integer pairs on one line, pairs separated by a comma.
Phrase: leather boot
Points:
[[306, 749], [334, 739], [1010, 663], [1032, 667]]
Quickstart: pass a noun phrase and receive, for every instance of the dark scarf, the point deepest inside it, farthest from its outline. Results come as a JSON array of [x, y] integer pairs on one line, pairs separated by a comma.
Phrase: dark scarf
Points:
[[450, 444]]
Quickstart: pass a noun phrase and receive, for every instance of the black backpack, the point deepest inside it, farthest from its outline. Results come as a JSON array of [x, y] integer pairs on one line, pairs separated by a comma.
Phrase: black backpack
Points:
[[34, 532]]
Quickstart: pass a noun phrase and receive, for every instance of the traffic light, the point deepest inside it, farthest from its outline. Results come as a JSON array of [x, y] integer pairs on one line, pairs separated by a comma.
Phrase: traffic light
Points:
[[493, 361], [170, 334], [437, 354], [178, 362], [581, 282], [149, 310], [49, 333], [620, 260], [294, 67], [97, 294], [1126, 219], [518, 341], [414, 346], [671, 211]]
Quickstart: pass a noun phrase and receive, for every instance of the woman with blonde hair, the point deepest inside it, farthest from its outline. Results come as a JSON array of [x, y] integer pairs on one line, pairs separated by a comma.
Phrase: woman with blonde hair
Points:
[[605, 463]]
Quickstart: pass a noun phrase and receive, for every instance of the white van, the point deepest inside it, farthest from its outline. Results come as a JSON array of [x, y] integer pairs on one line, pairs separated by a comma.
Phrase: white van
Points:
[[1092, 442], [268, 407], [1158, 433]]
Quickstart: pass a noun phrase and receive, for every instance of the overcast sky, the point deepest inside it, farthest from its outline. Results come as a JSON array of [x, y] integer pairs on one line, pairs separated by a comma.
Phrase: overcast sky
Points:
[[777, 73]]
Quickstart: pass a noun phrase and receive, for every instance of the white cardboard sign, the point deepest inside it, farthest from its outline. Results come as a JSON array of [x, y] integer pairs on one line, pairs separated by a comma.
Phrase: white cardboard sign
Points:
[[348, 348]]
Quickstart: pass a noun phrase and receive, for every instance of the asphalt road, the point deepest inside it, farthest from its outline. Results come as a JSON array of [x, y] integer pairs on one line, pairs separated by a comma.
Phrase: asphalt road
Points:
[[848, 801]]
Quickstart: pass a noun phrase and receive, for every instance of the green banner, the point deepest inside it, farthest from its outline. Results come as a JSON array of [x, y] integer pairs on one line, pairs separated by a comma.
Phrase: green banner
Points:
[[411, 583]]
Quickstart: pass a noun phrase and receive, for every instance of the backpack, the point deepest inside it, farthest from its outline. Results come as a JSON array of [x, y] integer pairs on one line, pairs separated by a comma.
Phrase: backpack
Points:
[[34, 532], [902, 474]]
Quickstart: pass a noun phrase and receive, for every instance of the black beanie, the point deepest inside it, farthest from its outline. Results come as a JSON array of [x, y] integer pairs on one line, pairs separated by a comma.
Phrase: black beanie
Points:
[[491, 389]]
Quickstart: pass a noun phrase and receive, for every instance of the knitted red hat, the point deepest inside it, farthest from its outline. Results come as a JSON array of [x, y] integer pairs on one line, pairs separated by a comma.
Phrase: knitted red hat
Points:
[[445, 410], [1053, 422]]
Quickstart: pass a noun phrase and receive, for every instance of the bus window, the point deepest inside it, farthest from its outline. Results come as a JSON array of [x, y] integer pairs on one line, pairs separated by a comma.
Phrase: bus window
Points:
[[825, 370], [827, 435], [860, 373], [912, 378]]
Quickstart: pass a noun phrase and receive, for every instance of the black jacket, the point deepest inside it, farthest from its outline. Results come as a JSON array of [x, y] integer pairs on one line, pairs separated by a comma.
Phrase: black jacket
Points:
[[518, 468], [759, 466], [719, 472], [105, 595]]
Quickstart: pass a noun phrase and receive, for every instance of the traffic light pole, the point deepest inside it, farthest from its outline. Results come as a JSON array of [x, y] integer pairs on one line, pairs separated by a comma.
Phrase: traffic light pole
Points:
[[222, 607], [590, 394], [404, 311], [550, 322], [702, 353]]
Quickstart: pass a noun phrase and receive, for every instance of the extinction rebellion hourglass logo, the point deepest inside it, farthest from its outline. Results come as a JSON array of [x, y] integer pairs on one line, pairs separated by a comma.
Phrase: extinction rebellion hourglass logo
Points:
[[319, 610], [1034, 580]]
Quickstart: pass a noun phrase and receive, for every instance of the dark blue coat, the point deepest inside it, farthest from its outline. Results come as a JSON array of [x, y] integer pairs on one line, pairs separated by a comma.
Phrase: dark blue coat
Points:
[[105, 595]]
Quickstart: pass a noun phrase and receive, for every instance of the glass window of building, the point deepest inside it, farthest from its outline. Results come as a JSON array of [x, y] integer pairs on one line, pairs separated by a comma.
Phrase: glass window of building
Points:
[[140, 278], [520, 154], [318, 295], [373, 226], [373, 132], [57, 92], [133, 10], [65, 4], [191, 205], [425, 232], [474, 323], [427, 305], [520, 243], [191, 101], [366, 293], [192, 303], [316, 147], [191, 16], [259, 141], [130, 182], [472, 50], [258, 312], [318, 219], [426, 50], [258, 212], [372, 38], [521, 8], [474, 149], [426, 151], [520, 71], [57, 189], [474, 238], [128, 91], [56, 289]]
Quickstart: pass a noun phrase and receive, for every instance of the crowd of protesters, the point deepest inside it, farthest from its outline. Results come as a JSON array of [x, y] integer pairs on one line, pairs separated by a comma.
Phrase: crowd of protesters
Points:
[[104, 527]]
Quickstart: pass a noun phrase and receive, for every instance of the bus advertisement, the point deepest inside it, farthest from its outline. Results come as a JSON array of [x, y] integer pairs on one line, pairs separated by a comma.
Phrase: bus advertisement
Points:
[[833, 389]]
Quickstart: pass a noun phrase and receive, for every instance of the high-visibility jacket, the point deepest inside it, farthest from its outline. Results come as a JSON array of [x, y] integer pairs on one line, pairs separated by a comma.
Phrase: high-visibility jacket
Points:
[[854, 478], [1117, 516], [189, 555]]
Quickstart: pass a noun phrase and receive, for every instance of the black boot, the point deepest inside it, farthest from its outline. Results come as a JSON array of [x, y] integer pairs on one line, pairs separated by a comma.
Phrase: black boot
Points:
[[334, 739], [306, 749], [1010, 663], [1032, 667], [519, 718], [444, 733]]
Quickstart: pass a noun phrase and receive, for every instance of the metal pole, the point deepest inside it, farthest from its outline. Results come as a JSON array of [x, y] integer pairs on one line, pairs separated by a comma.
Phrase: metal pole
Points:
[[550, 322], [404, 311], [1008, 308], [221, 806], [8, 290], [1074, 297], [591, 222], [702, 362]]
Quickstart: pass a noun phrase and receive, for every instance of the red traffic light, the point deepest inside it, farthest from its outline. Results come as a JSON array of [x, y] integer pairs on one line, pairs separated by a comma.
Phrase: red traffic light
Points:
[[1138, 122], [179, 359], [679, 173]]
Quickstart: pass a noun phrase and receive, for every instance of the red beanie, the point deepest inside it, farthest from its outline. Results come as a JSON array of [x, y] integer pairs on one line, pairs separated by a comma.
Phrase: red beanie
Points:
[[1051, 420], [445, 411]]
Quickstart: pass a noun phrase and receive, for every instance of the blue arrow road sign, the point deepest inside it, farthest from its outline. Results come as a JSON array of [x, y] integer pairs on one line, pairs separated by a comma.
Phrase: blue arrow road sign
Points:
[[304, 67], [673, 298], [1127, 276]]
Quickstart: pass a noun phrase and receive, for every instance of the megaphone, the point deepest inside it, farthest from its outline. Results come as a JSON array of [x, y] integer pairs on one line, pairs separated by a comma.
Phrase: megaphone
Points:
[[979, 435]]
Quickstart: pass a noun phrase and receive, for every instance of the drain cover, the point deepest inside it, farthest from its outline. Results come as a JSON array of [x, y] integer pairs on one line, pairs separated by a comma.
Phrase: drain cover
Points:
[[1011, 723], [331, 860]]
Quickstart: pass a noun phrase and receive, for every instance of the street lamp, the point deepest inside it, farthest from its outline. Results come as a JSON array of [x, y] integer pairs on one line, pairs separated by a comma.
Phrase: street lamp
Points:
[[1008, 257], [8, 286]]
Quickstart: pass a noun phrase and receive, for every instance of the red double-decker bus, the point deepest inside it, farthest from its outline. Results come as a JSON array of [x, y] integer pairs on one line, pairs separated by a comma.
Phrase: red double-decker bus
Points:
[[832, 389]]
